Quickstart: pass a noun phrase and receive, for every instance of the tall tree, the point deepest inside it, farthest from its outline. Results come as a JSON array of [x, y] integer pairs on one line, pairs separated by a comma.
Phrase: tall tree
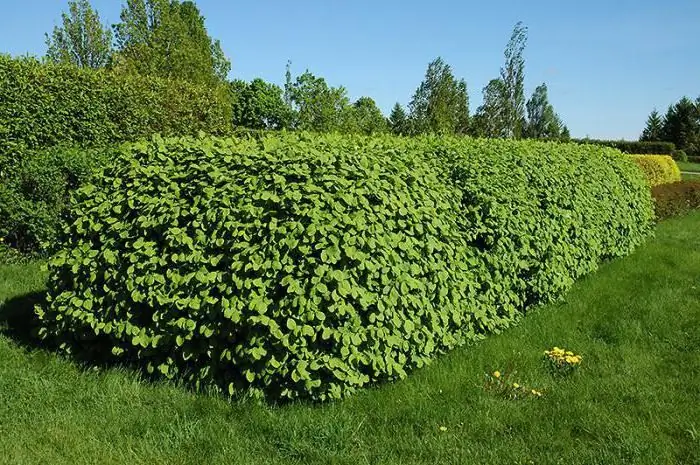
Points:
[[490, 119], [542, 121], [441, 103], [288, 84], [318, 107], [654, 128], [81, 40], [364, 117], [398, 121], [168, 38], [682, 125], [513, 78], [259, 105], [565, 134]]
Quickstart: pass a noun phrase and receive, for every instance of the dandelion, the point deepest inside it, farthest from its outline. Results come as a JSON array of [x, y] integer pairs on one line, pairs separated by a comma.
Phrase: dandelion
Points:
[[516, 385], [496, 374], [443, 428]]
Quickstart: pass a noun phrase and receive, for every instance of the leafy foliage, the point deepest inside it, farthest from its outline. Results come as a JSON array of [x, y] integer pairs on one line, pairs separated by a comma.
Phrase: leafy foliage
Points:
[[490, 119], [502, 115], [364, 117], [34, 199], [658, 169], [317, 106], [259, 105], [81, 40], [542, 121], [676, 198], [168, 38], [633, 147], [440, 105], [306, 266], [45, 105]]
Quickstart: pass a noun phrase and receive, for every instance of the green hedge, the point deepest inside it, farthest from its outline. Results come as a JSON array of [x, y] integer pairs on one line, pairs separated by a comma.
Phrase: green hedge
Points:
[[43, 105], [644, 148], [302, 266], [34, 198]]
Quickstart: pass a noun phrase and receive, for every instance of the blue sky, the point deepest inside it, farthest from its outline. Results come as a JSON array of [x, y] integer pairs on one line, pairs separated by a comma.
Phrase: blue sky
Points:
[[607, 63]]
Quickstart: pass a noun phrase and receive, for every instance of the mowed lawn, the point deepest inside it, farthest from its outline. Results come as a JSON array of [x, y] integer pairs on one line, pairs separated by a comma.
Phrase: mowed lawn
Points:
[[635, 399], [691, 171]]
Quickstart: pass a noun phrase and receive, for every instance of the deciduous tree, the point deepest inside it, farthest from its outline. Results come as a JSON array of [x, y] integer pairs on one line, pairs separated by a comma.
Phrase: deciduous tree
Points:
[[259, 105], [542, 121], [81, 39], [441, 103], [168, 38]]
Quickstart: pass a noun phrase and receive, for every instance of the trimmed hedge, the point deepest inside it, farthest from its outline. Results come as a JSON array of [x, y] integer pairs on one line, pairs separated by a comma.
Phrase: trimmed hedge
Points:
[[35, 197], [676, 199], [43, 105], [658, 169], [299, 266], [633, 147]]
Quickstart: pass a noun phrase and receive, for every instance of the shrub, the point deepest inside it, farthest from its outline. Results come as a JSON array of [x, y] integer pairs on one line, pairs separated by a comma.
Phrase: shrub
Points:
[[35, 198], [633, 147], [42, 105], [676, 198], [658, 169], [693, 159], [679, 155], [303, 266]]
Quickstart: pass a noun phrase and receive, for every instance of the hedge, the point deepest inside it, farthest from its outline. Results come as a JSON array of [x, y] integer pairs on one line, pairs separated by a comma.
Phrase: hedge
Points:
[[658, 169], [43, 105], [298, 266], [633, 147], [34, 198], [676, 198]]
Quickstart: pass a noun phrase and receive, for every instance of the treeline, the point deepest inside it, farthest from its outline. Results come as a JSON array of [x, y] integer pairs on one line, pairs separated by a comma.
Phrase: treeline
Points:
[[680, 125], [168, 39]]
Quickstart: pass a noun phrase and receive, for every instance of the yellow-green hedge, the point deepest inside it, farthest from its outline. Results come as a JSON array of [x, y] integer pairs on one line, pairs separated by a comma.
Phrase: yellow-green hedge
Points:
[[659, 169]]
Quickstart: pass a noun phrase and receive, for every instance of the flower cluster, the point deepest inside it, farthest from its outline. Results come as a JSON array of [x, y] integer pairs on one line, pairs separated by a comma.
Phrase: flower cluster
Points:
[[502, 384], [562, 361]]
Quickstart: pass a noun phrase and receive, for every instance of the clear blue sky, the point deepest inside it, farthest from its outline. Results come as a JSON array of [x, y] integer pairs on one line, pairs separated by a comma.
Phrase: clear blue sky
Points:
[[607, 63]]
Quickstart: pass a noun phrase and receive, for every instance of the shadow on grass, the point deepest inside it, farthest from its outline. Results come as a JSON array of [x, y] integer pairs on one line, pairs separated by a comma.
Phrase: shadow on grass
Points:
[[18, 320]]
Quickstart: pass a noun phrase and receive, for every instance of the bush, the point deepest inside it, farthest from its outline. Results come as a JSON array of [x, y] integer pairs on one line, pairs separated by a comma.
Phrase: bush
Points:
[[43, 105], [676, 198], [303, 266], [693, 159], [679, 155], [633, 147], [34, 199], [658, 169]]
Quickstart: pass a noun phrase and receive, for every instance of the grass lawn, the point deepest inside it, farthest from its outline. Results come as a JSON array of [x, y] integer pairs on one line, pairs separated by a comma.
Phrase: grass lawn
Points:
[[689, 167], [636, 398]]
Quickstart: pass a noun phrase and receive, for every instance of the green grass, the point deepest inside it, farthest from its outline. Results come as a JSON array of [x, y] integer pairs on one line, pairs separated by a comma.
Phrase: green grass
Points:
[[689, 167], [636, 398]]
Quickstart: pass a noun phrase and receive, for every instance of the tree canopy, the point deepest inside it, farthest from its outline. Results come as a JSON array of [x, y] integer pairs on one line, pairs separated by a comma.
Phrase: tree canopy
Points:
[[81, 39], [168, 38], [440, 104]]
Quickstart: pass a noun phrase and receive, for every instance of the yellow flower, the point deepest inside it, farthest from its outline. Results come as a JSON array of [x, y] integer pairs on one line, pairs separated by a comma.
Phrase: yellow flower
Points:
[[443, 428], [516, 385], [496, 374]]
